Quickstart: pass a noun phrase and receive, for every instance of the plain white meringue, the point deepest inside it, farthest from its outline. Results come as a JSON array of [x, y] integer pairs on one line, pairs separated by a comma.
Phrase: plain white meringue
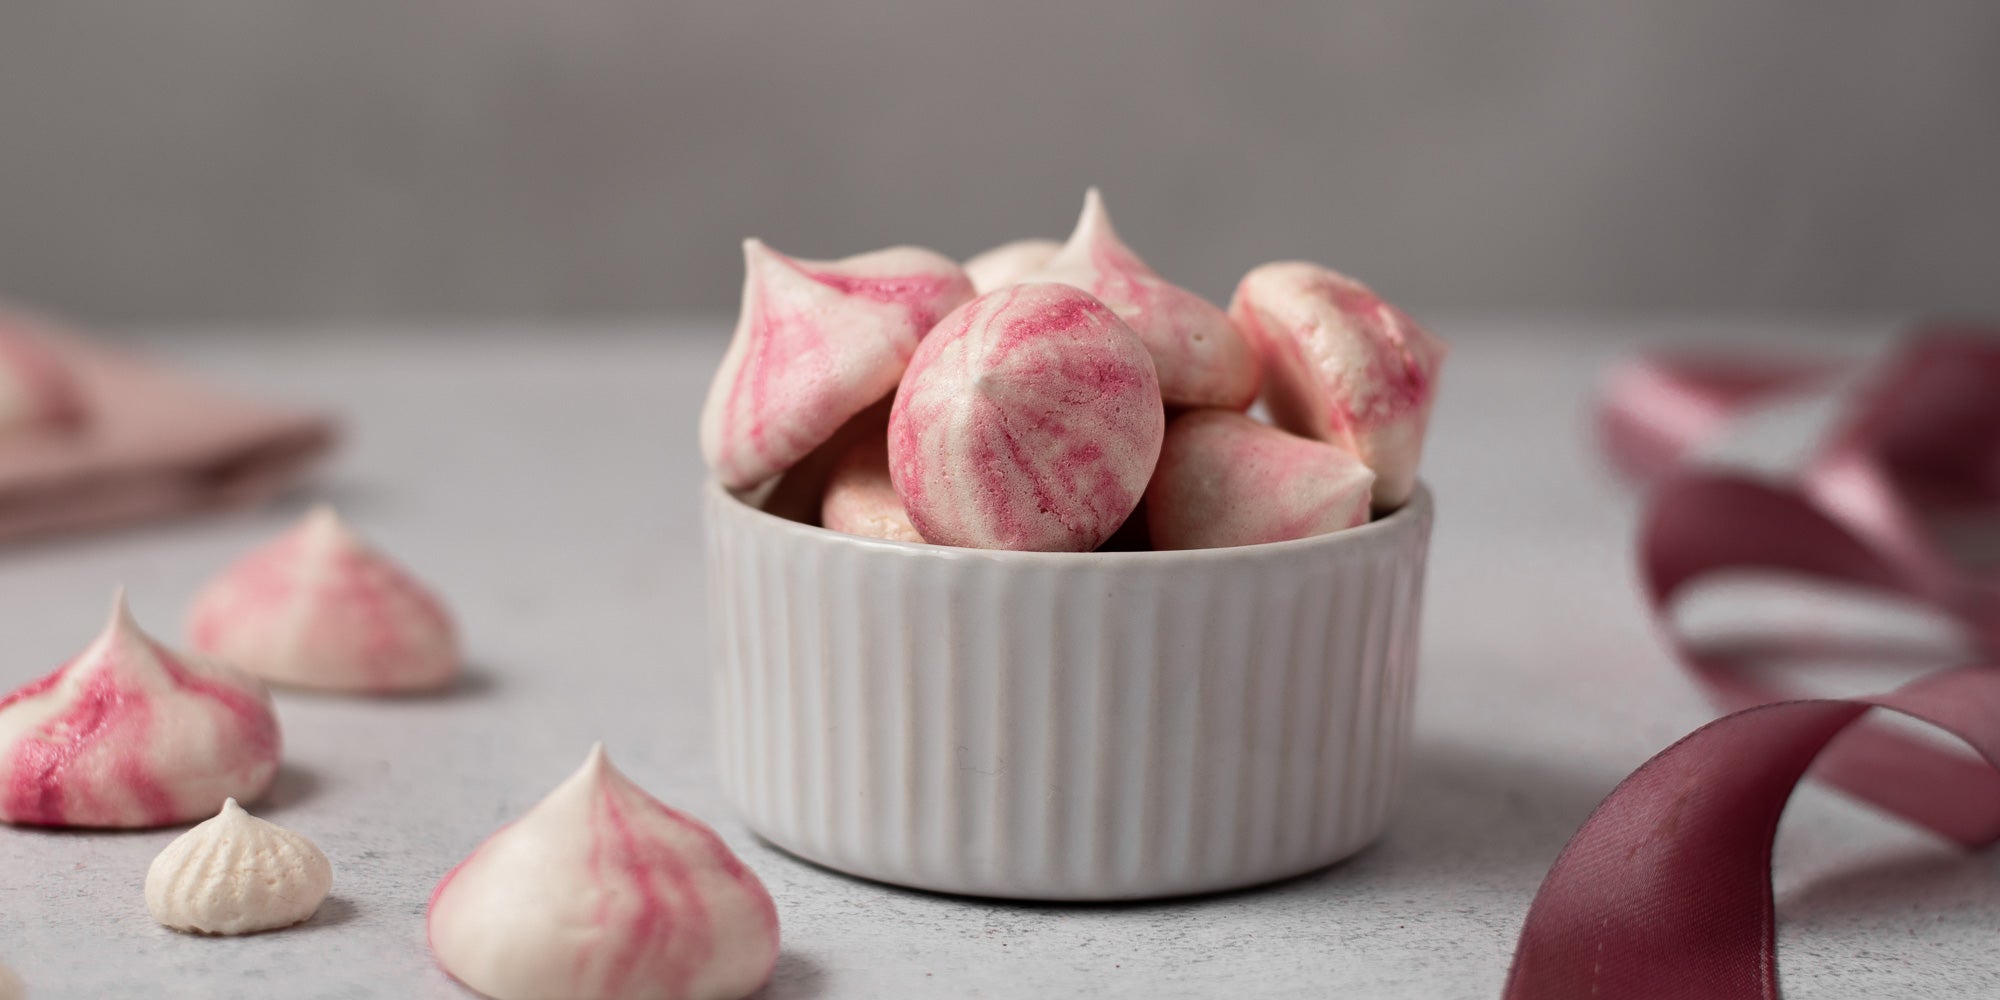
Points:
[[237, 874], [318, 608], [129, 734], [600, 892]]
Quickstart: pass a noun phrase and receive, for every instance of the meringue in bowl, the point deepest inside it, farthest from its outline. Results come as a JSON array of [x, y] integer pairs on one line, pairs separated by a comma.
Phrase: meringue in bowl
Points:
[[1062, 726]]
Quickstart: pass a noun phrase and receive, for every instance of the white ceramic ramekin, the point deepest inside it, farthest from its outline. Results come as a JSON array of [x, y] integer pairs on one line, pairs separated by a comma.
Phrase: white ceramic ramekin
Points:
[[1063, 726]]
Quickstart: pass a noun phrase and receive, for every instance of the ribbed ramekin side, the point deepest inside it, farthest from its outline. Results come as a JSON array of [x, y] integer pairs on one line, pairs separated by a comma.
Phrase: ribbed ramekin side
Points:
[[1055, 729]]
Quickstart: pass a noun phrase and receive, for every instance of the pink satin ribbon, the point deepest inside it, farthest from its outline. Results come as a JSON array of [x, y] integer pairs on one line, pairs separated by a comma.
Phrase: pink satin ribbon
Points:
[[1665, 891]]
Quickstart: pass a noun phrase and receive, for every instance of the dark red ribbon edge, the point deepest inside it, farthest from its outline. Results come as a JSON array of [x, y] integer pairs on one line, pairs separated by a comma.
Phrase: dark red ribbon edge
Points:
[[1665, 890]]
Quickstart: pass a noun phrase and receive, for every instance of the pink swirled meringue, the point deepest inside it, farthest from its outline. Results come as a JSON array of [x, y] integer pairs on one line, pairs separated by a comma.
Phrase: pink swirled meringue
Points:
[[1029, 419], [600, 892], [37, 389], [1008, 263], [1203, 360], [816, 343], [1225, 479], [128, 734], [860, 497], [318, 608], [1343, 366]]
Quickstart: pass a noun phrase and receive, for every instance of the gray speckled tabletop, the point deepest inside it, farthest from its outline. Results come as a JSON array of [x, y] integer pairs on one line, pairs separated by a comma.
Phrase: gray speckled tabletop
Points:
[[545, 480]]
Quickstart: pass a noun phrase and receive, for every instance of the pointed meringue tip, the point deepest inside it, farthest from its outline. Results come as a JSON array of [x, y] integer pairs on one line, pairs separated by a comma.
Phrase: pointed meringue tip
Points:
[[120, 631], [597, 761], [230, 807], [121, 610], [755, 250], [322, 519], [1094, 212], [759, 260], [1093, 224], [121, 621]]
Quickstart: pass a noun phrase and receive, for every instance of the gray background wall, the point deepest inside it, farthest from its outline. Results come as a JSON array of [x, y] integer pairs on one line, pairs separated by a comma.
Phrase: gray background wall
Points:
[[307, 159]]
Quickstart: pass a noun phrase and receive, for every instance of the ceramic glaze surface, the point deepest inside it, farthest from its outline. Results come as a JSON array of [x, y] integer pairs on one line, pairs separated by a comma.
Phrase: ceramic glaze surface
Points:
[[1063, 726]]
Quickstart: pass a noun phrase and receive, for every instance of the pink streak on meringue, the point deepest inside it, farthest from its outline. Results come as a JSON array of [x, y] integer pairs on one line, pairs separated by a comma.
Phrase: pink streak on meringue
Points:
[[36, 386], [816, 343], [600, 892], [129, 735], [318, 608], [1225, 479], [1203, 360], [1343, 366], [1029, 419], [861, 498]]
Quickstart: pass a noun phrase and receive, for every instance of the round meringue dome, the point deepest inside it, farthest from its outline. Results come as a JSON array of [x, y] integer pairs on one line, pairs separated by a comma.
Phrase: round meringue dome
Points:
[[1029, 419], [318, 608], [600, 892], [237, 874], [128, 734]]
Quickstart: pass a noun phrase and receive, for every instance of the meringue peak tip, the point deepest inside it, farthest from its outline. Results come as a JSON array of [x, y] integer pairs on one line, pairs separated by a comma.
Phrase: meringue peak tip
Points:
[[231, 807], [1093, 224], [121, 610], [122, 625], [755, 250], [597, 760], [323, 519]]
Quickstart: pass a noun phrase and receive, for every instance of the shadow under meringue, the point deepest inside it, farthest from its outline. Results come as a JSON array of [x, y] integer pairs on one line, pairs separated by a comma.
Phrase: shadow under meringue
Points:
[[333, 912], [473, 681], [795, 978], [293, 786]]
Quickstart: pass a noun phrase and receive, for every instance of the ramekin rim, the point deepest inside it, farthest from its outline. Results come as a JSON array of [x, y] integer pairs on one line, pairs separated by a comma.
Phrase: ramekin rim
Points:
[[1405, 518]]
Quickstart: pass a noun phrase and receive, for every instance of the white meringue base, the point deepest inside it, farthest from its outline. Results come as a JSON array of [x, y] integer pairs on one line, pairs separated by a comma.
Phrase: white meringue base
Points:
[[237, 874]]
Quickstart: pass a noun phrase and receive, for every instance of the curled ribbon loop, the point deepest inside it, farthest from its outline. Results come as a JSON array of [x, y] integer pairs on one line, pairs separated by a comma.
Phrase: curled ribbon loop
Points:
[[1665, 891]]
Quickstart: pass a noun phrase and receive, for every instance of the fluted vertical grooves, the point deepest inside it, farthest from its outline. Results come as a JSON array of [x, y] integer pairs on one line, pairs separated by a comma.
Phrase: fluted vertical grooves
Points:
[[1063, 727]]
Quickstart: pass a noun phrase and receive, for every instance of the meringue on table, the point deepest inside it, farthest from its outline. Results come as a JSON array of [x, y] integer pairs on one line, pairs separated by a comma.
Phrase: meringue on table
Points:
[[130, 734], [237, 874], [318, 608], [600, 892]]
